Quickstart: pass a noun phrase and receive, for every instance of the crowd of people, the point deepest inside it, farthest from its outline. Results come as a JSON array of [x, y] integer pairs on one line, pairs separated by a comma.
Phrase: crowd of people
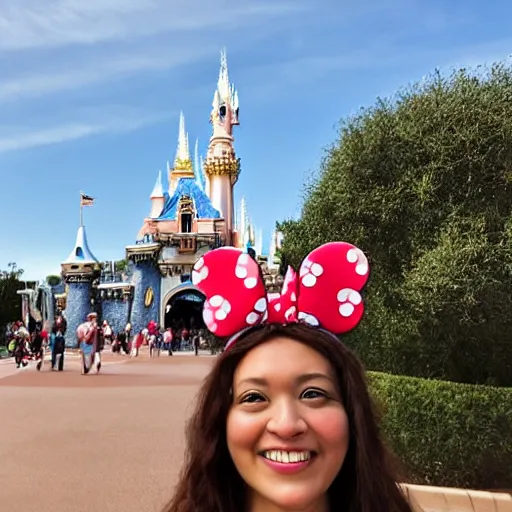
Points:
[[92, 338], [27, 346]]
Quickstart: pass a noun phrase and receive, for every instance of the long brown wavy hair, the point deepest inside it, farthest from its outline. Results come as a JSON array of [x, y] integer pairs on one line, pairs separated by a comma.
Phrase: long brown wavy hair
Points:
[[209, 481]]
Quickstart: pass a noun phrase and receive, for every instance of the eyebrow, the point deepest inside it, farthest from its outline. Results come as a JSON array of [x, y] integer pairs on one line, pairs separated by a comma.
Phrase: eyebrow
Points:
[[301, 379]]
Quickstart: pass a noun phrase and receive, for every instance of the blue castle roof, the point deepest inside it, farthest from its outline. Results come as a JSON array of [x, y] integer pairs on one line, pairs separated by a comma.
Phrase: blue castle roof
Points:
[[188, 187]]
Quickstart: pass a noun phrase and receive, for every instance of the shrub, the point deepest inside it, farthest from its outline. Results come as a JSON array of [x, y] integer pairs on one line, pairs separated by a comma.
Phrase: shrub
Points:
[[446, 433]]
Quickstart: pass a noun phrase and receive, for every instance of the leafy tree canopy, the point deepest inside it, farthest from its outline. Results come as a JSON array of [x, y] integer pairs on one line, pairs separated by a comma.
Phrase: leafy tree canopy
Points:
[[10, 301], [53, 280], [422, 182]]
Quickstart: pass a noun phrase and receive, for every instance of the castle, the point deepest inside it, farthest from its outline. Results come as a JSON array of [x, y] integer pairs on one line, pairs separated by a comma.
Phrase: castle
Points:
[[192, 215]]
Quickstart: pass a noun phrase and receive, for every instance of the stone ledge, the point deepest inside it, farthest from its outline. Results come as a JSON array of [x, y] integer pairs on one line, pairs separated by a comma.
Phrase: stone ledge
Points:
[[446, 499]]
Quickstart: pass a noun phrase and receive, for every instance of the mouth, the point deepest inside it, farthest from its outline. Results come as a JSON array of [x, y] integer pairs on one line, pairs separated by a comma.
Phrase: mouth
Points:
[[288, 457]]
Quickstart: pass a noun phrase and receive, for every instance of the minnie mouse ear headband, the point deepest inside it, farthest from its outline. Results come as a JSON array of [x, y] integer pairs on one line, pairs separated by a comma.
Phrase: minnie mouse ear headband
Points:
[[325, 294]]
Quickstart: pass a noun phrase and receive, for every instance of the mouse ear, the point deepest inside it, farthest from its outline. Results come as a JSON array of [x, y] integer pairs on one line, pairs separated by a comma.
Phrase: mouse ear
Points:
[[331, 278], [235, 292]]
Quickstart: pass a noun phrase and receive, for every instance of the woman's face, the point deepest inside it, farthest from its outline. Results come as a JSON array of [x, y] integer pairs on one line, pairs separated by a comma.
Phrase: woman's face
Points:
[[287, 430]]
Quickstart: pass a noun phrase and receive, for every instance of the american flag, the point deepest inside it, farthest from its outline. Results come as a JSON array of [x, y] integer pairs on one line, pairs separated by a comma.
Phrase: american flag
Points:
[[86, 200]]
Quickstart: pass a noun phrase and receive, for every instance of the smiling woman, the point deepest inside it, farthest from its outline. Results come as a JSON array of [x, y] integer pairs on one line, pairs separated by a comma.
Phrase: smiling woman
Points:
[[284, 422]]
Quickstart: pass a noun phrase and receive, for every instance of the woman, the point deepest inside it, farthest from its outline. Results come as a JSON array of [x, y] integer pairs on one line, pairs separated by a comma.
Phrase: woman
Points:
[[284, 422], [87, 334]]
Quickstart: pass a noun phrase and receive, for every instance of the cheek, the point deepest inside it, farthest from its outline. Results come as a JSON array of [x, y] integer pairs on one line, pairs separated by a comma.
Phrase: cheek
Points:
[[332, 429], [243, 432]]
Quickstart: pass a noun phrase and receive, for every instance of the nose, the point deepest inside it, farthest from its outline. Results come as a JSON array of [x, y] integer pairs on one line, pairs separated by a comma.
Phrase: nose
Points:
[[286, 421]]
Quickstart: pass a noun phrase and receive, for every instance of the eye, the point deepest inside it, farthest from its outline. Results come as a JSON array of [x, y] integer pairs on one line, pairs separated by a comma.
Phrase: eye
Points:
[[311, 394], [251, 398]]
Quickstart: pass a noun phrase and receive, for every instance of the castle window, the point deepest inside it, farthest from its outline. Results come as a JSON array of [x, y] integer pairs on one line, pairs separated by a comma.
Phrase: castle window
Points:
[[186, 214], [186, 223]]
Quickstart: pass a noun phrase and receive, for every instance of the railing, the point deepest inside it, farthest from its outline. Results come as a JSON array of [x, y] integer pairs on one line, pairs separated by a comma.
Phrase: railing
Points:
[[107, 277]]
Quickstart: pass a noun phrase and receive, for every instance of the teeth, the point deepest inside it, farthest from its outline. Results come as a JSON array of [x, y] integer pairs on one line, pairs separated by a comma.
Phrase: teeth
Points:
[[286, 457]]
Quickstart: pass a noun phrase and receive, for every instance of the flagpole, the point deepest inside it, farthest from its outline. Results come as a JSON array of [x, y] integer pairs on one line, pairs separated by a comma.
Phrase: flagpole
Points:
[[81, 211]]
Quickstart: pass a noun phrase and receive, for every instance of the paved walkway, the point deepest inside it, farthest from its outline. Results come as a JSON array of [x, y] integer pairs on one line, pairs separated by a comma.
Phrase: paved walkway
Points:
[[133, 413]]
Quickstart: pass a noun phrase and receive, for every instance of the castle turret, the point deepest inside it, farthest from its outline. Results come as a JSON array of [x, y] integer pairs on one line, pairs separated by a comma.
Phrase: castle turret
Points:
[[79, 270], [182, 163], [157, 198], [222, 167]]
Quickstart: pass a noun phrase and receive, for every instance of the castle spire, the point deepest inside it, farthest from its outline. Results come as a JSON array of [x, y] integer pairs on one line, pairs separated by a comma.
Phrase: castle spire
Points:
[[198, 171], [223, 85], [81, 254], [182, 163], [222, 167], [158, 189], [157, 198], [182, 160]]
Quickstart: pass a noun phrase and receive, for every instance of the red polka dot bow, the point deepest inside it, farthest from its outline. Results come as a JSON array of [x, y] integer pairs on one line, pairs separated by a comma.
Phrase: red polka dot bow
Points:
[[324, 294]]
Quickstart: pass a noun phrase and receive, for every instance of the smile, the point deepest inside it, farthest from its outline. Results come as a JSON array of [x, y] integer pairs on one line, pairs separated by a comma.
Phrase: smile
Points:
[[286, 457]]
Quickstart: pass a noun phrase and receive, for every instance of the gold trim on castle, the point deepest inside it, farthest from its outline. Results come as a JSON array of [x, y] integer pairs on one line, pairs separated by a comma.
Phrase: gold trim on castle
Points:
[[183, 165], [223, 166]]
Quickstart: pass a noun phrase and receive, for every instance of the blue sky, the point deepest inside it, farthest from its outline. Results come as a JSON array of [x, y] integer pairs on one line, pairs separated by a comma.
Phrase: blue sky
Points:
[[90, 94]]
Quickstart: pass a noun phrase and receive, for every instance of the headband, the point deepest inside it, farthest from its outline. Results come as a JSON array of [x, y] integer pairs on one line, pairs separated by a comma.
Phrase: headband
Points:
[[324, 294]]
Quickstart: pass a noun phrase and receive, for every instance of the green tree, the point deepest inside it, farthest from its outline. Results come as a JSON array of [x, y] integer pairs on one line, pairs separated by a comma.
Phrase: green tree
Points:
[[422, 183], [121, 265], [10, 301], [53, 280]]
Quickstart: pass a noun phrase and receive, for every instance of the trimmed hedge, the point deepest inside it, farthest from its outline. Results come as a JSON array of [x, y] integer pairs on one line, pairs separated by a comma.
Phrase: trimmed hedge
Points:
[[445, 433]]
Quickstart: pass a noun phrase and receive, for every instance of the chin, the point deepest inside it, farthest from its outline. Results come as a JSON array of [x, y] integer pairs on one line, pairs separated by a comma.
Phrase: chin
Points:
[[294, 499]]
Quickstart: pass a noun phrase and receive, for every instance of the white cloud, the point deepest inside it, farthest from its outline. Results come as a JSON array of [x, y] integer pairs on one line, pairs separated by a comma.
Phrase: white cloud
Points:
[[72, 131], [92, 73], [32, 23]]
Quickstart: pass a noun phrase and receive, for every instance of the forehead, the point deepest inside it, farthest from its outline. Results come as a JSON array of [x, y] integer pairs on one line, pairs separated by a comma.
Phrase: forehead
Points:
[[281, 358]]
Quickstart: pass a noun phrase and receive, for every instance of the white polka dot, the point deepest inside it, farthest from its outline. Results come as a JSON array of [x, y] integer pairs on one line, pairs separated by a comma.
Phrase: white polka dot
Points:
[[216, 301], [220, 314], [352, 255], [362, 269], [309, 280], [346, 309], [265, 316], [207, 316], [252, 318], [213, 327], [293, 297], [290, 311], [355, 298], [343, 294], [250, 282], [198, 276], [277, 307], [304, 269], [309, 319], [261, 305], [226, 306], [241, 272], [199, 264], [243, 259], [317, 269]]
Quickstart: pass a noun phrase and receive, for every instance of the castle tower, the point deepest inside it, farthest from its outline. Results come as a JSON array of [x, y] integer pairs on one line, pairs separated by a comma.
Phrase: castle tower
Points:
[[272, 263], [221, 166], [182, 163], [79, 271], [157, 198]]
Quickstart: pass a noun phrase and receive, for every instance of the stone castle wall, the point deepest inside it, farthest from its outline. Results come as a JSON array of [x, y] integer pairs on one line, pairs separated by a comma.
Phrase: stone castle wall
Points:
[[115, 312], [78, 306], [145, 275]]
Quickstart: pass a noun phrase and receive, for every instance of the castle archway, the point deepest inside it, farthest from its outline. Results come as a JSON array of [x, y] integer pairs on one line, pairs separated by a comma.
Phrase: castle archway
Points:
[[183, 307]]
